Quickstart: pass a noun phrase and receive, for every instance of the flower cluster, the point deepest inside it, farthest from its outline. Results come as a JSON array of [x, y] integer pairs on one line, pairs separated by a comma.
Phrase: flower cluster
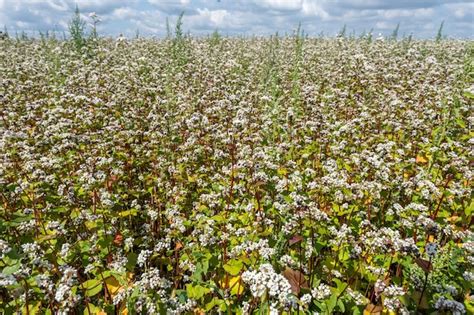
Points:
[[266, 281]]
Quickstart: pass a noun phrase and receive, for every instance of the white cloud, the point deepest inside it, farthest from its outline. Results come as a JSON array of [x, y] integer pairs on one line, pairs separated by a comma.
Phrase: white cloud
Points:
[[462, 10], [283, 5], [216, 17], [174, 6], [402, 13], [384, 25], [422, 17], [312, 8], [124, 13]]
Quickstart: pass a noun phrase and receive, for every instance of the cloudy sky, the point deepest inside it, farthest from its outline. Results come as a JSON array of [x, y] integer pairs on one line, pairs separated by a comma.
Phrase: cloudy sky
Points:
[[247, 17]]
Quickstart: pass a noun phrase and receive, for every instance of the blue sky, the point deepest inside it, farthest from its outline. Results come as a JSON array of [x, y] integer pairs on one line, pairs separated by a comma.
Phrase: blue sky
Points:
[[247, 17]]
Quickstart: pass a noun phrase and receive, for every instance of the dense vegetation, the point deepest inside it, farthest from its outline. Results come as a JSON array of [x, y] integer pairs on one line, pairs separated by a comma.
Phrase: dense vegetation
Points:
[[285, 174]]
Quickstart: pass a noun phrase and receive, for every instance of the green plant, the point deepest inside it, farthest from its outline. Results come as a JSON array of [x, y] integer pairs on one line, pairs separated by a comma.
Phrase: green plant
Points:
[[342, 32], [215, 38], [439, 34], [94, 35], [76, 29], [394, 35], [180, 48]]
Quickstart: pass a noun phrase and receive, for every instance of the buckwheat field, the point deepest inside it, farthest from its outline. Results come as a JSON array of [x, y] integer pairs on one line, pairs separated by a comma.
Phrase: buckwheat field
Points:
[[278, 175]]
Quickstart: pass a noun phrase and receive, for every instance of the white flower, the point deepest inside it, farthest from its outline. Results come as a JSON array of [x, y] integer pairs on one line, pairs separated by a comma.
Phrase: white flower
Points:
[[393, 290], [468, 276], [4, 248], [379, 287], [128, 243], [7, 280], [266, 280], [64, 250], [431, 249], [306, 298], [322, 292], [143, 257], [444, 304], [356, 296], [61, 292]]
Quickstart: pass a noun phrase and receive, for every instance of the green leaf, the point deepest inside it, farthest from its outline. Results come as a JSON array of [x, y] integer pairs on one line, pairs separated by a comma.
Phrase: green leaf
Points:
[[11, 269], [233, 267], [340, 286], [90, 284], [60, 210], [131, 261], [468, 94], [469, 306], [343, 255], [131, 212], [196, 291], [33, 308], [214, 302], [235, 284], [341, 306], [331, 303], [92, 308], [201, 268], [96, 290], [93, 287], [84, 246], [356, 310], [460, 123], [469, 209]]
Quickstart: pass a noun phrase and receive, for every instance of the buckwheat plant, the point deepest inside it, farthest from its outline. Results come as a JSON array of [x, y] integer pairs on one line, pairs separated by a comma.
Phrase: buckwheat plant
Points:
[[236, 175]]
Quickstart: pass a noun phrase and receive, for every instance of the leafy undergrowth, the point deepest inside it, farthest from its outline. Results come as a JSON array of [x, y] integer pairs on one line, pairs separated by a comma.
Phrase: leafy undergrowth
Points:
[[237, 176]]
